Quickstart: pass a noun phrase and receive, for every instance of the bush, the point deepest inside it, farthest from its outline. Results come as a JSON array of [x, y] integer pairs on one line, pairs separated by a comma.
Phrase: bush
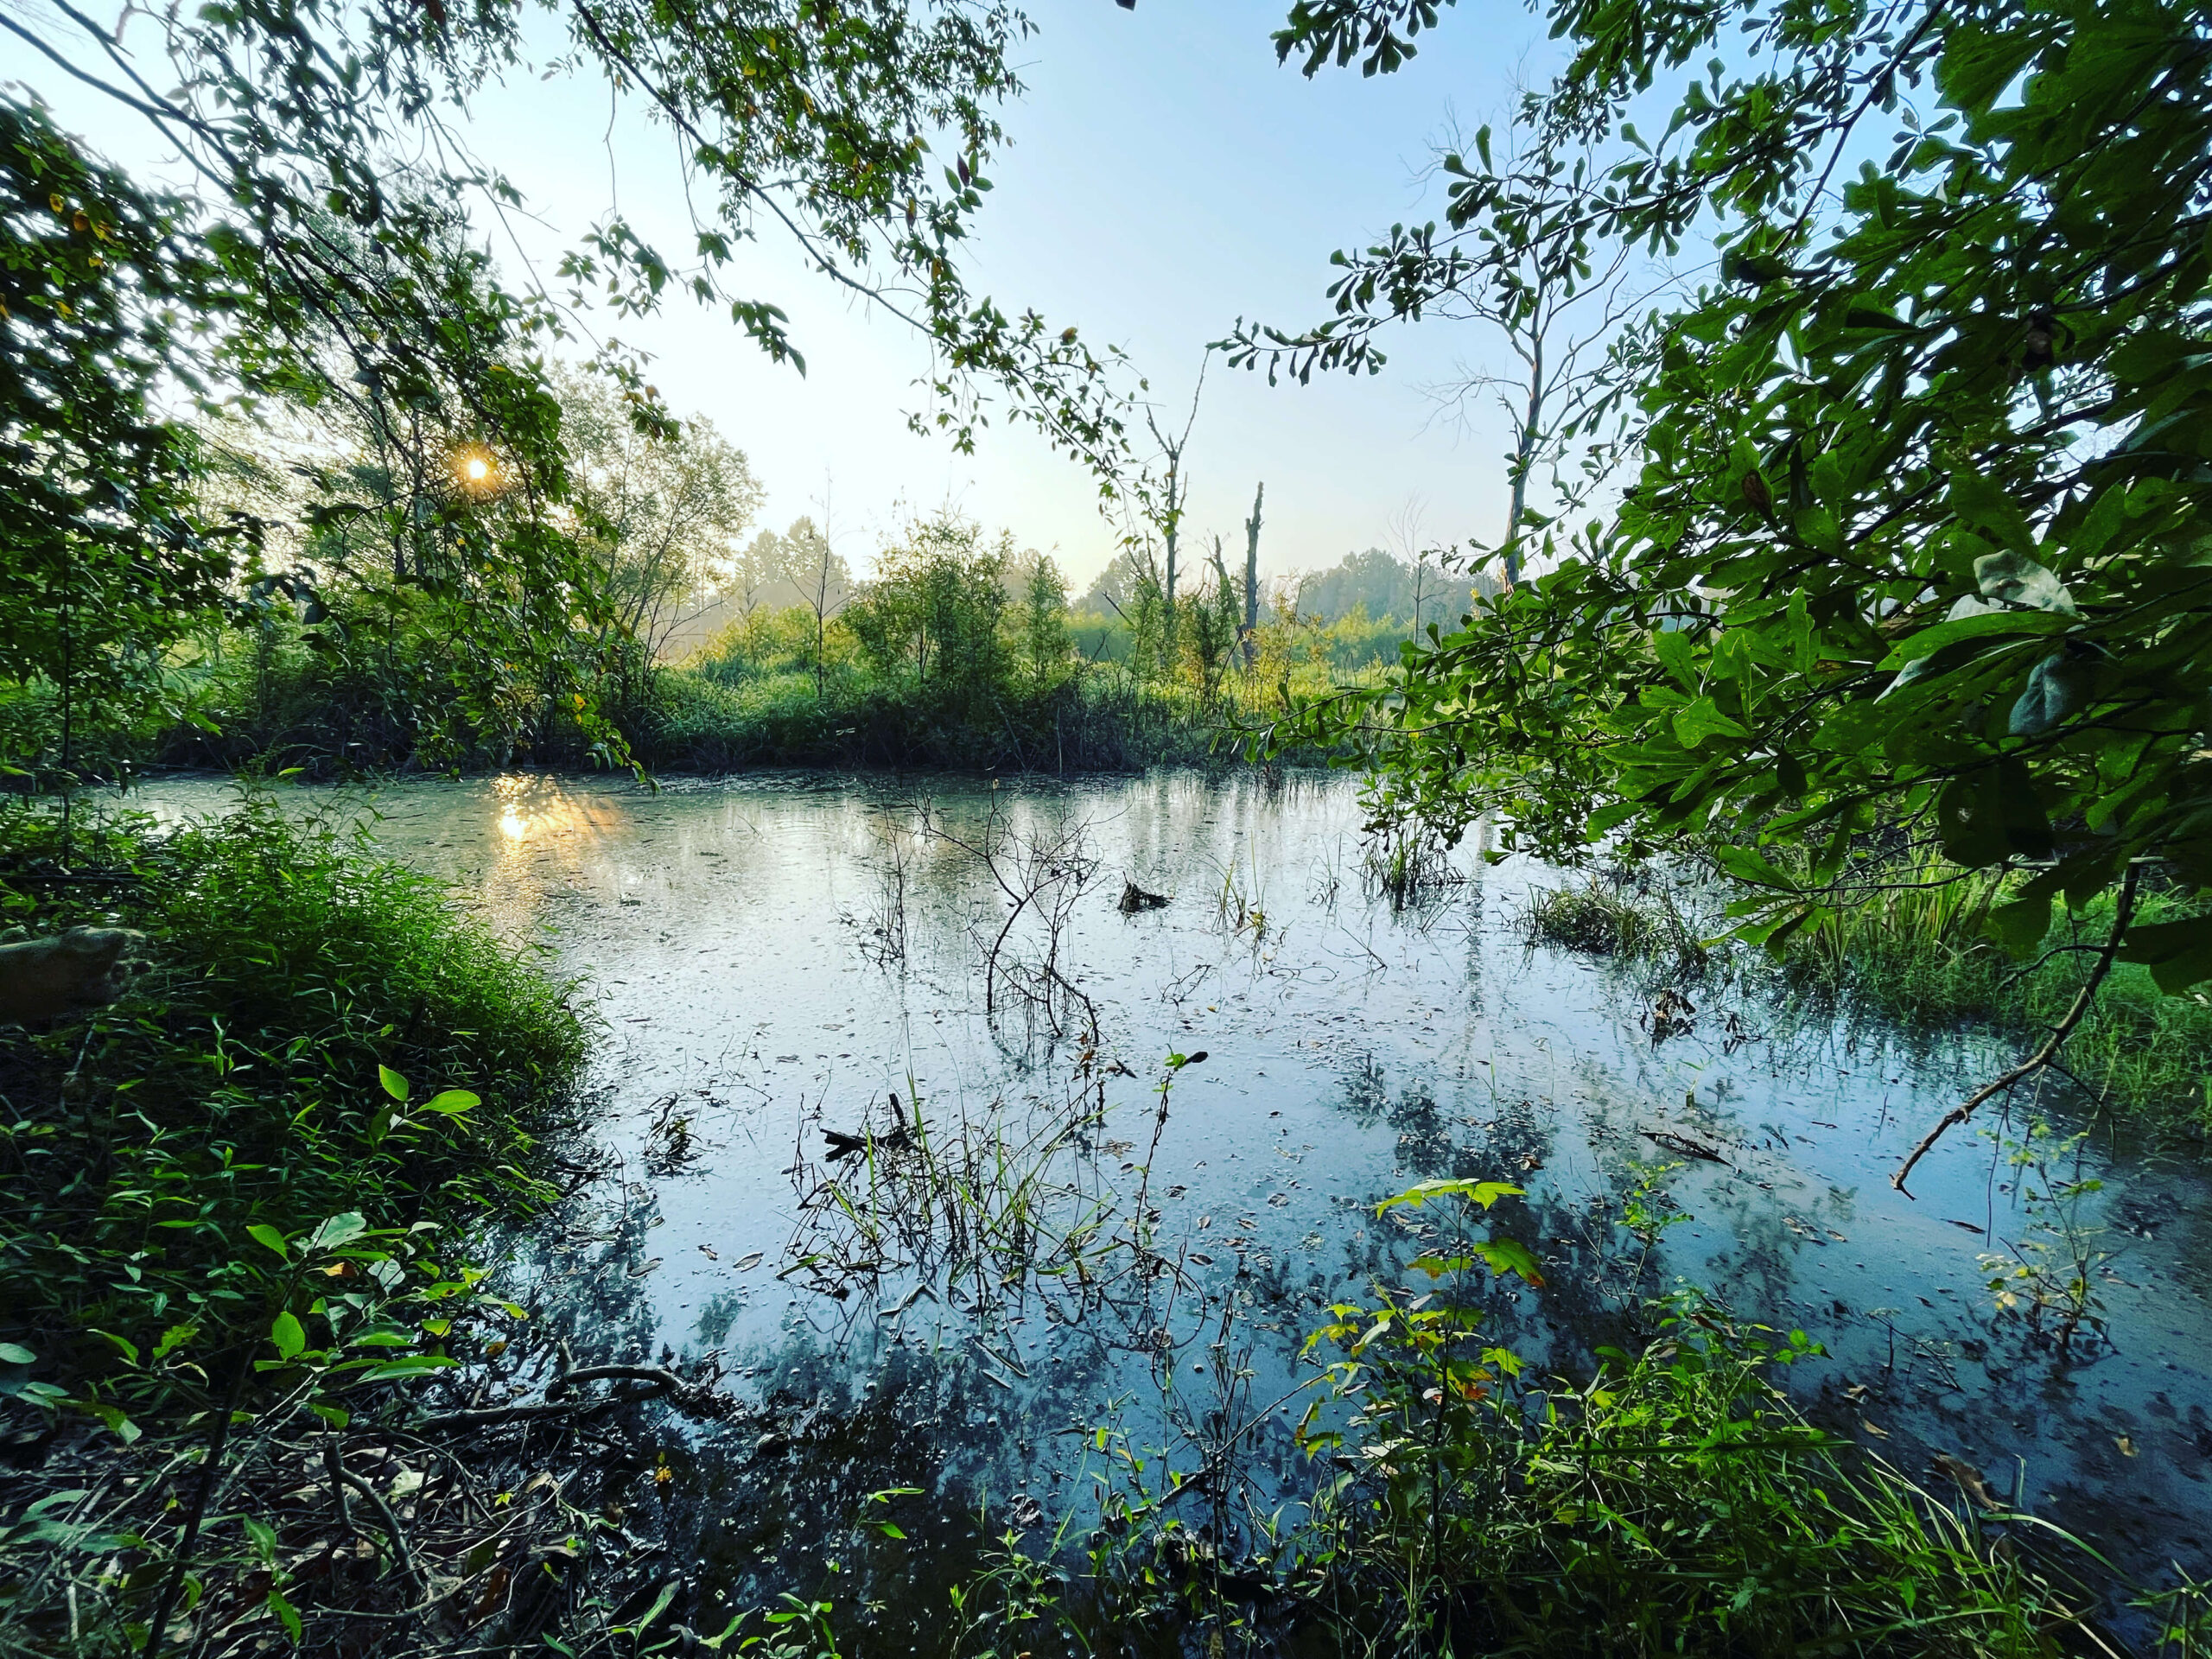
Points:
[[247, 1082]]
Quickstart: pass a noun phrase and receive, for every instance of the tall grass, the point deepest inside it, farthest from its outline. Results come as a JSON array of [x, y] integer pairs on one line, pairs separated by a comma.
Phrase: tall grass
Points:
[[1917, 952], [1911, 946]]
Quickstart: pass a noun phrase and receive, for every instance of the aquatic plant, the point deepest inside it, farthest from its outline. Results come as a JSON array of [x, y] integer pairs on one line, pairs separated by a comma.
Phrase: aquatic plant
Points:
[[1670, 1501]]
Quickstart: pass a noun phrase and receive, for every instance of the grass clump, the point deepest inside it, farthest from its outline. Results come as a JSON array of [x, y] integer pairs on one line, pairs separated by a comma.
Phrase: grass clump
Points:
[[1614, 916], [247, 1085]]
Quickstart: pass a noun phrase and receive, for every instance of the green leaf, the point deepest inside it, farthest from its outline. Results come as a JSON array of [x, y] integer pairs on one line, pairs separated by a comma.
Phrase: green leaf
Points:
[[452, 1102], [1702, 720], [263, 1234], [1673, 648], [2014, 579], [286, 1332], [2021, 925], [13, 1353], [394, 1084], [120, 1426], [1747, 865], [413, 1365], [286, 1614], [336, 1230], [2178, 954], [1485, 1193], [1504, 1256]]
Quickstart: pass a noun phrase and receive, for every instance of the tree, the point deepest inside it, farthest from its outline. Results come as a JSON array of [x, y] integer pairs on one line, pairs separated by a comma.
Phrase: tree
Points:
[[824, 582], [1914, 553], [933, 613], [1164, 503], [1043, 621], [1210, 643], [662, 510], [109, 558]]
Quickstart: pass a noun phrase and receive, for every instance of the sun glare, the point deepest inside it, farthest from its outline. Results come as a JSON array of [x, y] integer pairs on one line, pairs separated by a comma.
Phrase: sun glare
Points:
[[513, 824], [477, 468]]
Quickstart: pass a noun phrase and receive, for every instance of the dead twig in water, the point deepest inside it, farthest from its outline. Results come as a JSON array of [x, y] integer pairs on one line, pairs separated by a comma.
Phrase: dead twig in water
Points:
[[2045, 1055]]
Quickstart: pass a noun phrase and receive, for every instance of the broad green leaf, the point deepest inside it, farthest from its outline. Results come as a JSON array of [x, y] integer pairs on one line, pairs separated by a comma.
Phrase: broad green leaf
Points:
[[452, 1102], [1702, 720], [336, 1230], [286, 1332], [263, 1234], [1504, 1256], [2178, 954], [394, 1084], [287, 1615], [2015, 579]]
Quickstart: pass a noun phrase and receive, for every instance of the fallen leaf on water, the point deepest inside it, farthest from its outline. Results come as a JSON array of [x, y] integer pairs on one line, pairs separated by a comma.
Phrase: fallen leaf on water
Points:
[[746, 1263], [640, 1272], [708, 1250], [1882, 1433], [2126, 1446]]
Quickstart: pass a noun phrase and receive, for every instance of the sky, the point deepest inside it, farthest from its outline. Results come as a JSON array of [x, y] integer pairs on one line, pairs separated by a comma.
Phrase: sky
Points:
[[1167, 176]]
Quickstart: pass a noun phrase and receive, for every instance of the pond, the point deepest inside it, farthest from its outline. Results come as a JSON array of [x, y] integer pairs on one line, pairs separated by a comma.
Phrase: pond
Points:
[[886, 1071]]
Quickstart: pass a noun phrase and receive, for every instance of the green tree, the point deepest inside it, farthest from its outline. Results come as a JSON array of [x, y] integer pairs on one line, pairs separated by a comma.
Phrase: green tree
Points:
[[1043, 622], [933, 615], [1915, 545], [109, 559]]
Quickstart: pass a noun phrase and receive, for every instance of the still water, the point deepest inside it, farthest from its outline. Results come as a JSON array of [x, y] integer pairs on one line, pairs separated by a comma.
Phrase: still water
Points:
[[1027, 1251]]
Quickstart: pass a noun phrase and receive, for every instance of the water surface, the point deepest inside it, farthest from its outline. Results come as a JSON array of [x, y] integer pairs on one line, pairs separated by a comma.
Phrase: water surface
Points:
[[777, 958]]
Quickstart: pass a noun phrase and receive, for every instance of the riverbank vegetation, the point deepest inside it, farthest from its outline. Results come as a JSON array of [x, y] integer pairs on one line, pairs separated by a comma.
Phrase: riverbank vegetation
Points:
[[1917, 953]]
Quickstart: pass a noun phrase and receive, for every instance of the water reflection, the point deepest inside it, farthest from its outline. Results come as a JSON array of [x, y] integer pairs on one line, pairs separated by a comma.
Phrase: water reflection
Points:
[[774, 959]]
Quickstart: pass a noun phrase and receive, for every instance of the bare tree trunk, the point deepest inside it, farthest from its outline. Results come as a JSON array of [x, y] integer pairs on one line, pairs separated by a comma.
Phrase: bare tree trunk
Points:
[[1252, 579], [821, 617], [1173, 530]]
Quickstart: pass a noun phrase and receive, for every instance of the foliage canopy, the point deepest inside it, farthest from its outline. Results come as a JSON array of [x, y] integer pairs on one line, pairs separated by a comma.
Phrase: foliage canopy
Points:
[[1914, 538]]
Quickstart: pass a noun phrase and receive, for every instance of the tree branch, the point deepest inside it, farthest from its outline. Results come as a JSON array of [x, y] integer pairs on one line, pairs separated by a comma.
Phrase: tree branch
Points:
[[2044, 1056]]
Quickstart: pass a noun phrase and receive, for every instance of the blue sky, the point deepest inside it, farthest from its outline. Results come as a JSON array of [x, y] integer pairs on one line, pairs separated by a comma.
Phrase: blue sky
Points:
[[1167, 176]]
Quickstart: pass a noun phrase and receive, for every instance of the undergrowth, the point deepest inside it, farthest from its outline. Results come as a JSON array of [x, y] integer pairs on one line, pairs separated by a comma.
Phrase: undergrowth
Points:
[[1672, 1501], [238, 1084]]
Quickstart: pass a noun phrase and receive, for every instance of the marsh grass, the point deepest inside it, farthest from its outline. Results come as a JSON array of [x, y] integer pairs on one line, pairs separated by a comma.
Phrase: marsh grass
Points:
[[1670, 1502], [1612, 916], [1912, 948], [1919, 955]]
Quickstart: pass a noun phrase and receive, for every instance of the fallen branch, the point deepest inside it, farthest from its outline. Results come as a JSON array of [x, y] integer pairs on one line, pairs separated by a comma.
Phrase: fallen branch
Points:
[[2046, 1054], [388, 1520]]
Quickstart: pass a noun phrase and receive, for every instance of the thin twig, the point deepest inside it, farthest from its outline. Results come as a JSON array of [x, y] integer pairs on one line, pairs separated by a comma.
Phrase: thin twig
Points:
[[2043, 1056]]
